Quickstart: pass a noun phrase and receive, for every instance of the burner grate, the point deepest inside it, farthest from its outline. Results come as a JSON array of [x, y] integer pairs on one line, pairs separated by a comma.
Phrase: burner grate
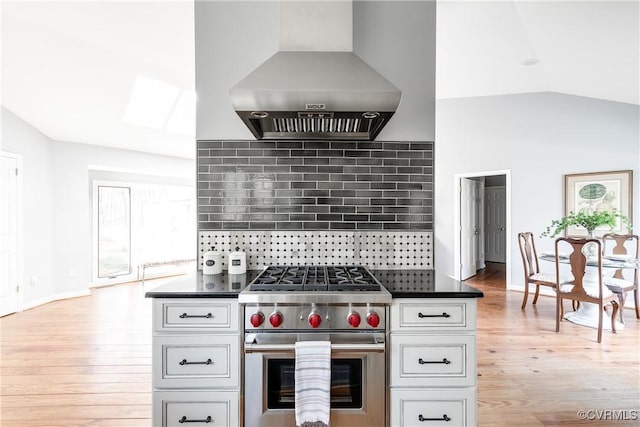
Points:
[[315, 278]]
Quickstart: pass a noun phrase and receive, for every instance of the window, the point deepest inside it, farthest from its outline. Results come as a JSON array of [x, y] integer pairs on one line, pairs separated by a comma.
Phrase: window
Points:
[[139, 223], [114, 231]]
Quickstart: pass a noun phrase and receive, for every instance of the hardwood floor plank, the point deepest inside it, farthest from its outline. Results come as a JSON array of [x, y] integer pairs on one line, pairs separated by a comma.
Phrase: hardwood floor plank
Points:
[[95, 422], [11, 380], [96, 360], [42, 387], [73, 412], [75, 369], [107, 399]]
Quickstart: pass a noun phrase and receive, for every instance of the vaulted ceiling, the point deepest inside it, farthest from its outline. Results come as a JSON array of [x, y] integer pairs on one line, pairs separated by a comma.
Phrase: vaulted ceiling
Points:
[[70, 68]]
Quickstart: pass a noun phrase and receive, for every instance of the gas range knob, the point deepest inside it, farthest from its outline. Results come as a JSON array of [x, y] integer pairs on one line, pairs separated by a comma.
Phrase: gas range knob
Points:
[[354, 319], [256, 319], [314, 320], [275, 319], [373, 319]]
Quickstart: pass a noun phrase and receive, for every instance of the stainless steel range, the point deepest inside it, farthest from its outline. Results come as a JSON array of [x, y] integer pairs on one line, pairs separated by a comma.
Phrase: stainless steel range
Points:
[[346, 305]]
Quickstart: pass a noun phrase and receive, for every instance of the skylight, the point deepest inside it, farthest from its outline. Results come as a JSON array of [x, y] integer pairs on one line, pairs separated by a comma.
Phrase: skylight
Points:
[[161, 106]]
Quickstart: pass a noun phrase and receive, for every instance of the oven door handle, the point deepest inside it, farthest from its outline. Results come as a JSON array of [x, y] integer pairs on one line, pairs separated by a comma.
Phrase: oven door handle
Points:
[[284, 348]]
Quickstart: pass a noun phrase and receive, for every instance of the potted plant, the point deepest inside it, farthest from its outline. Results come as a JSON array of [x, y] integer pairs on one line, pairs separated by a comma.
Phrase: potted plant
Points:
[[590, 221]]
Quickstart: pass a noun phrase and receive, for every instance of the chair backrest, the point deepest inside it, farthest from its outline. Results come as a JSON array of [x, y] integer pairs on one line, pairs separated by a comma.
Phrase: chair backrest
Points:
[[578, 263], [622, 244], [528, 252]]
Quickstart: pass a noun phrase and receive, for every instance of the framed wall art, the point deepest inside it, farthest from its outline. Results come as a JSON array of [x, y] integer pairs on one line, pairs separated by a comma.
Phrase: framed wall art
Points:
[[598, 191]]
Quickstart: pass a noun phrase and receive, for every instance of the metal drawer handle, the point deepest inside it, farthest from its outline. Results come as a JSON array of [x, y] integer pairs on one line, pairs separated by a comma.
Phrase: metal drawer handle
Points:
[[184, 362], [444, 314], [205, 316], [185, 420], [444, 418], [425, 362]]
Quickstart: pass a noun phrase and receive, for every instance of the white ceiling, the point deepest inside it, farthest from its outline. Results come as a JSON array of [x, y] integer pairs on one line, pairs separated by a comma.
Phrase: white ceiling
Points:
[[68, 68], [584, 48]]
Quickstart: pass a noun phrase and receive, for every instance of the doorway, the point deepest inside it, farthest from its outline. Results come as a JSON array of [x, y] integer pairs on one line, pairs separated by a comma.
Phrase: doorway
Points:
[[10, 232], [482, 225]]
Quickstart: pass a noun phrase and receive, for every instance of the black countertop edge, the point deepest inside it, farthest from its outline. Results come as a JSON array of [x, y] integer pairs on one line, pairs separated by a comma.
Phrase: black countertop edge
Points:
[[400, 283], [424, 284], [198, 285]]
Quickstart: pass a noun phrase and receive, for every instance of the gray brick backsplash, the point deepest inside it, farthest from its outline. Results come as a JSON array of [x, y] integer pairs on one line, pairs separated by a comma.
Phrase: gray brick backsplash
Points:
[[315, 185]]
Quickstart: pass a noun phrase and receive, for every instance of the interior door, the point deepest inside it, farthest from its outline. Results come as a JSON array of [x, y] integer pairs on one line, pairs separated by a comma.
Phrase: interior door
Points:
[[495, 224], [468, 228], [8, 235], [479, 212]]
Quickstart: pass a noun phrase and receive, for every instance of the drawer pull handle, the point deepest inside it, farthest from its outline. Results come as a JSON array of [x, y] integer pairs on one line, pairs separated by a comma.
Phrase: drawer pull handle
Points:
[[444, 418], [184, 362], [444, 314], [205, 316], [185, 420], [444, 361]]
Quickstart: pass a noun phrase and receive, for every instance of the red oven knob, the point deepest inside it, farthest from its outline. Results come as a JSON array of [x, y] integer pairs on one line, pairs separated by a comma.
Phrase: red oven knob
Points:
[[373, 319], [314, 320], [256, 319], [354, 319], [275, 319]]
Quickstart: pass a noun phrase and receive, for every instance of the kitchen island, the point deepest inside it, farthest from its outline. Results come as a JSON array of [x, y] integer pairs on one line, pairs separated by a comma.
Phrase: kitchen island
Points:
[[431, 341]]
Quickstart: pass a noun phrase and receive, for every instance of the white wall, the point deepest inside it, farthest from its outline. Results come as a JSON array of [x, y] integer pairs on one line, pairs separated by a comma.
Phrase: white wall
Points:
[[231, 39], [540, 137], [72, 220], [57, 202], [38, 204], [398, 39], [395, 38]]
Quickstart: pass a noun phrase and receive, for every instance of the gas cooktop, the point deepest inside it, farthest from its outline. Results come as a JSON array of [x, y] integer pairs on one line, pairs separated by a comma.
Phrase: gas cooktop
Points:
[[315, 278], [323, 284]]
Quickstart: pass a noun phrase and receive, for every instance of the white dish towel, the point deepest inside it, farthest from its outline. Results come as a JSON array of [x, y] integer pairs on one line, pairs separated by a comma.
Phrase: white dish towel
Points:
[[313, 382]]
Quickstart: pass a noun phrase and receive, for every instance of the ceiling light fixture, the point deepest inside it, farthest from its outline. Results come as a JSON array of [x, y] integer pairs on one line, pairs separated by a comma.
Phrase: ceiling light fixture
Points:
[[530, 61]]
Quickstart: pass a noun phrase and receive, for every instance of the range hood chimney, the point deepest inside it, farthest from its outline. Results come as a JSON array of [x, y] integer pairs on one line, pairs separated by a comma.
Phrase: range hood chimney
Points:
[[315, 87]]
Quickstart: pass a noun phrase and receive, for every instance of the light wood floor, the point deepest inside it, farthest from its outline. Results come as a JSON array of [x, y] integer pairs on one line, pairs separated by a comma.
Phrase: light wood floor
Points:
[[87, 362]]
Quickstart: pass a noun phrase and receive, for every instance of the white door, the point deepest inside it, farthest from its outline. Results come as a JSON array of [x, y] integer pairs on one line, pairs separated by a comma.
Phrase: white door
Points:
[[8, 235], [495, 224], [479, 213], [468, 228]]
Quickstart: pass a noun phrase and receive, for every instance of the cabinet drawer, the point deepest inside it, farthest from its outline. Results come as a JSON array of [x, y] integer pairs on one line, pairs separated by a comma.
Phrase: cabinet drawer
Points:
[[433, 360], [180, 408], [438, 407], [196, 361], [195, 315], [447, 314]]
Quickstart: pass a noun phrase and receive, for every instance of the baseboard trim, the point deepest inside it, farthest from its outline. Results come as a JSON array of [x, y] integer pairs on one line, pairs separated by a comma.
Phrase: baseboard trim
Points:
[[55, 297]]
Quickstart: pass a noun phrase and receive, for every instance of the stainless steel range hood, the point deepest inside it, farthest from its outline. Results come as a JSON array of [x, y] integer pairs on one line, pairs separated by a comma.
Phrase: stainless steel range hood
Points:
[[315, 95]]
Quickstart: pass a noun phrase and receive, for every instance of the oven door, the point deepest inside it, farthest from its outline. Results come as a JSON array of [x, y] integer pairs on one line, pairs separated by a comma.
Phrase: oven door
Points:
[[358, 379]]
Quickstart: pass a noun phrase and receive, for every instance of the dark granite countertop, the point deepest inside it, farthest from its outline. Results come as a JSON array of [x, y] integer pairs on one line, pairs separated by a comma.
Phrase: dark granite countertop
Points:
[[198, 285], [401, 284], [424, 284]]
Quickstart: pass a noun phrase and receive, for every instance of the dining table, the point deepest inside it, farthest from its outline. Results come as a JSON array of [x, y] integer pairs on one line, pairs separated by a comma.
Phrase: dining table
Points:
[[587, 314]]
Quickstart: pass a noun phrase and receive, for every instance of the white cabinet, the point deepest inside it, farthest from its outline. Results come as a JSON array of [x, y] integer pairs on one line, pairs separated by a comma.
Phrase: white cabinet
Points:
[[196, 362], [183, 407], [433, 407], [433, 362]]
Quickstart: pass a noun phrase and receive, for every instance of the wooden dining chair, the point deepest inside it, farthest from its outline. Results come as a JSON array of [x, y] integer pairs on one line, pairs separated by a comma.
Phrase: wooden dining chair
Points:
[[532, 273], [625, 244], [575, 290]]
